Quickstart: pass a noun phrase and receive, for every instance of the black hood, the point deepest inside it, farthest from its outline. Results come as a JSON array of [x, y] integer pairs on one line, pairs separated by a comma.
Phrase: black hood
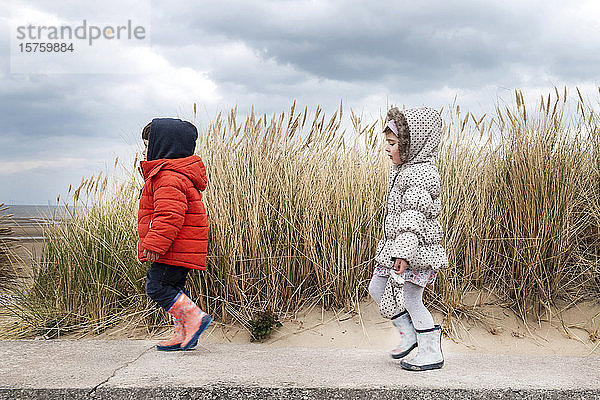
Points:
[[171, 138]]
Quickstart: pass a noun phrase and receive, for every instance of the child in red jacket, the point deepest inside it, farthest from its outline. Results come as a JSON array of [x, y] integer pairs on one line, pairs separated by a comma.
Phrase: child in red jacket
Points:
[[172, 224]]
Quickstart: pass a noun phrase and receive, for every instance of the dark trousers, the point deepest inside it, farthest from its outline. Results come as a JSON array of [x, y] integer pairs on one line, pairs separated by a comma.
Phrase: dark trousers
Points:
[[164, 282]]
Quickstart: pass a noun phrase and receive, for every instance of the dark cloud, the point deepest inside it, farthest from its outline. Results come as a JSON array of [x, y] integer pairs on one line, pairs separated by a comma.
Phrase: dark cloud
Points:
[[39, 113], [268, 53], [413, 46]]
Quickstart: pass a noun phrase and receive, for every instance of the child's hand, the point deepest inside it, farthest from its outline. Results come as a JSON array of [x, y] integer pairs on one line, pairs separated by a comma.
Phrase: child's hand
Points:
[[150, 255], [400, 265]]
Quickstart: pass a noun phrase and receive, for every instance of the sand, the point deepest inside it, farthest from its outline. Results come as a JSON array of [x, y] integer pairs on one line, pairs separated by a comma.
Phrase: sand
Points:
[[368, 330], [27, 240], [569, 333]]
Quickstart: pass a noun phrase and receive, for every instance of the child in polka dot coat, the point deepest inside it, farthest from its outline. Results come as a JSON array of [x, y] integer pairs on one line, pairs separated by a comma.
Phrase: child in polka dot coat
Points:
[[411, 243]]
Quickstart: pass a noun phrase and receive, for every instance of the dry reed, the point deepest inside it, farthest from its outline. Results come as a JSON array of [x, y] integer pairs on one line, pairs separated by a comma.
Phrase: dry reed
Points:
[[7, 269], [295, 206]]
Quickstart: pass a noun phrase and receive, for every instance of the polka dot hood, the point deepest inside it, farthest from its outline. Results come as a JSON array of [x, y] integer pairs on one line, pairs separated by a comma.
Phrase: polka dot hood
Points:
[[410, 227]]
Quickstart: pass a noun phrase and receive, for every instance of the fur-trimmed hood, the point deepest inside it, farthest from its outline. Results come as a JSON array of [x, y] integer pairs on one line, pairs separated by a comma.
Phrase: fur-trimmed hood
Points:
[[419, 133]]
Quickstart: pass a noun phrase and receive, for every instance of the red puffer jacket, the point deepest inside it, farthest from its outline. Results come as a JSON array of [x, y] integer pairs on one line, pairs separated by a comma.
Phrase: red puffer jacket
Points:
[[172, 219]]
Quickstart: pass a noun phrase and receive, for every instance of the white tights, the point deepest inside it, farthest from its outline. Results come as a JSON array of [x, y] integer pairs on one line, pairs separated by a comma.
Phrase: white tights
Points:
[[413, 301]]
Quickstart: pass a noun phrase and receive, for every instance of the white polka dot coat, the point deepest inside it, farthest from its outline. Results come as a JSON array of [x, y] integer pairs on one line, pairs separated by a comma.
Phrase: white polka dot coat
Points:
[[410, 226]]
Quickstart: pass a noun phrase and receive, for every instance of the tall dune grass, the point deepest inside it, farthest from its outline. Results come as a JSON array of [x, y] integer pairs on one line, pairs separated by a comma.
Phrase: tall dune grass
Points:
[[521, 211], [295, 205], [293, 218], [7, 269]]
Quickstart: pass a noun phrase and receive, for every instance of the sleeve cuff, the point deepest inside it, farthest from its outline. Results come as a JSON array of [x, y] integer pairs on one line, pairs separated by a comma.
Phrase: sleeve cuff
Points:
[[155, 249], [405, 245]]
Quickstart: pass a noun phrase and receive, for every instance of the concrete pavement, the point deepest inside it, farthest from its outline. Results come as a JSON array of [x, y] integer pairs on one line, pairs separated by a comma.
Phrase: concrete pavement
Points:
[[134, 369]]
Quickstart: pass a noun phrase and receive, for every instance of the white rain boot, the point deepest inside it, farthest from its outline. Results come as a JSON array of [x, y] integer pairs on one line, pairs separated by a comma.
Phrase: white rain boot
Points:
[[429, 355], [408, 337]]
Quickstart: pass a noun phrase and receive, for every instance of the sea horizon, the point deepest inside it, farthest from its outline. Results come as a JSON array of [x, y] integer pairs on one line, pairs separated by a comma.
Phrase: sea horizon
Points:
[[34, 212]]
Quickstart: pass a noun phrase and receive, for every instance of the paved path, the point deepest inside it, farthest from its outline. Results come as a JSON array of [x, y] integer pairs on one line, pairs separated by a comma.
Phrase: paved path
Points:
[[134, 369]]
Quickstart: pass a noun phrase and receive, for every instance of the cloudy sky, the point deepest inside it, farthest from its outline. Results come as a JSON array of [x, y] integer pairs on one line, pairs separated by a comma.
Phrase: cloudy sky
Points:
[[70, 117]]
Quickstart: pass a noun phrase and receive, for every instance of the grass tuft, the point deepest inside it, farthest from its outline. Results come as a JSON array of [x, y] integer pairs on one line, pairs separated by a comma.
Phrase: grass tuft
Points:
[[8, 273]]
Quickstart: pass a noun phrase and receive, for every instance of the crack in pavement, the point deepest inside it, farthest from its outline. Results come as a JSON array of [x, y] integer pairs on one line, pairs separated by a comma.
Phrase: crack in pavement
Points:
[[92, 392]]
